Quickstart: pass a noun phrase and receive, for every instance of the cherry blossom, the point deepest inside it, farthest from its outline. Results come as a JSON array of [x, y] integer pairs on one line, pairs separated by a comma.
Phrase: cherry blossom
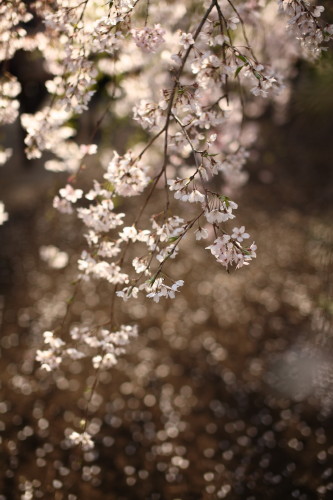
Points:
[[84, 439], [201, 234], [239, 234], [127, 175], [149, 39], [186, 40]]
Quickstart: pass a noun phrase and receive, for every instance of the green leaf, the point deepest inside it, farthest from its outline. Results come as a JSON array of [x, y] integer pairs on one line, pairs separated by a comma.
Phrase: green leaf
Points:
[[238, 70], [108, 186], [242, 58]]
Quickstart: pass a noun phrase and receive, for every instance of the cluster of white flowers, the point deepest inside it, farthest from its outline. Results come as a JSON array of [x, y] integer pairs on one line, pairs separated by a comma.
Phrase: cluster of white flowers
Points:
[[149, 39], [101, 269], [68, 195], [13, 15], [126, 175], [100, 344], [228, 251], [9, 89], [68, 45], [50, 358], [159, 289], [103, 38], [304, 21], [149, 114], [84, 439]]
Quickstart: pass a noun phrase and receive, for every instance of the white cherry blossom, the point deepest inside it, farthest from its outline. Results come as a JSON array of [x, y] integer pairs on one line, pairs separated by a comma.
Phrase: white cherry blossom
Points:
[[239, 234], [201, 234], [186, 40], [149, 39]]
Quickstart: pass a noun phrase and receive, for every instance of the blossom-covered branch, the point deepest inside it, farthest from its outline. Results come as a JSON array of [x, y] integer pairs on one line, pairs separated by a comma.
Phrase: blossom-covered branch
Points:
[[184, 81]]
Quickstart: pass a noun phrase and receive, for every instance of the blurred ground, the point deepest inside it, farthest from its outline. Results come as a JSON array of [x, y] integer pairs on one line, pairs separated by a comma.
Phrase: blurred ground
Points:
[[228, 392]]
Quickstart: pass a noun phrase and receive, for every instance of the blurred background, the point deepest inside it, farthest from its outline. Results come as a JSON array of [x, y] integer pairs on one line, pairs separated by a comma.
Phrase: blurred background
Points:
[[228, 391]]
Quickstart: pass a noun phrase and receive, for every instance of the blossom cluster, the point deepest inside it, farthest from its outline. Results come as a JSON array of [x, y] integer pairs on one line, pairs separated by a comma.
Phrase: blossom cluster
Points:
[[228, 251], [149, 39], [305, 22], [100, 344]]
